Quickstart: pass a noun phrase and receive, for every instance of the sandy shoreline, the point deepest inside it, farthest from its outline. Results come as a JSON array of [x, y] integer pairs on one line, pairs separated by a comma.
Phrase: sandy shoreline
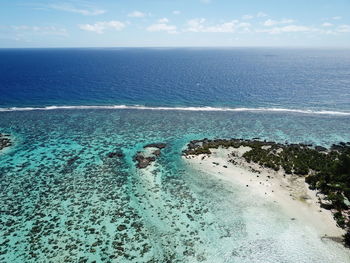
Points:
[[290, 192]]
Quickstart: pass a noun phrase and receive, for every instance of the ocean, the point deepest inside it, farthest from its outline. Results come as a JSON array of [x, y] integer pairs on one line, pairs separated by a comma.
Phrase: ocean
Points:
[[62, 199], [237, 78]]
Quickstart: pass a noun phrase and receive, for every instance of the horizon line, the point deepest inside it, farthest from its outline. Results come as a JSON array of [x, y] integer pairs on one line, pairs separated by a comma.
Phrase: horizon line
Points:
[[183, 47]]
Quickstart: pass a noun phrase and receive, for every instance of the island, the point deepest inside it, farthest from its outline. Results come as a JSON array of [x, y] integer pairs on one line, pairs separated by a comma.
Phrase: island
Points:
[[312, 181]]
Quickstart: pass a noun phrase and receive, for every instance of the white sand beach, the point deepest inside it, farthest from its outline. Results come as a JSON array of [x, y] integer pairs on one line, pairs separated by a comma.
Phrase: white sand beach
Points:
[[289, 191]]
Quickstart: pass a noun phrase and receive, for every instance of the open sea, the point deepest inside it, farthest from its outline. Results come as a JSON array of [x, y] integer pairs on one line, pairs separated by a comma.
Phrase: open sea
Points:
[[62, 199]]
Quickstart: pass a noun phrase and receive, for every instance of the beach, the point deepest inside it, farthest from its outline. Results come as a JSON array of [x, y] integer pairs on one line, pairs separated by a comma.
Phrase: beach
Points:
[[290, 192]]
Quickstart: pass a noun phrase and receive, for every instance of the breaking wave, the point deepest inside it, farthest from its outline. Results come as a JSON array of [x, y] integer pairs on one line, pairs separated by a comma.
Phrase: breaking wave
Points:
[[139, 107]]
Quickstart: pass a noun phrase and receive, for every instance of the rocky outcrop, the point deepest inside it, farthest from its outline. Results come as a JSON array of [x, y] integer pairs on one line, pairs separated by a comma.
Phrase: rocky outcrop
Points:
[[155, 145], [142, 160], [203, 146], [320, 149], [115, 155], [5, 141], [149, 155]]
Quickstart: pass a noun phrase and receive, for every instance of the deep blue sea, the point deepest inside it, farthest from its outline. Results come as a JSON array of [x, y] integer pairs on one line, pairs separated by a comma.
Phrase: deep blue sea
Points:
[[62, 199], [265, 78]]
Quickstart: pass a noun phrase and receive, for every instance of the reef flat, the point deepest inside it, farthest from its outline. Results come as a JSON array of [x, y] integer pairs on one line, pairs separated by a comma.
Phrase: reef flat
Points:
[[324, 170], [70, 190]]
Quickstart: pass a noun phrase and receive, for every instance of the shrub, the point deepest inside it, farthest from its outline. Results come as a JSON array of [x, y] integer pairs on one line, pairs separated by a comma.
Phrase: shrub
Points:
[[347, 239]]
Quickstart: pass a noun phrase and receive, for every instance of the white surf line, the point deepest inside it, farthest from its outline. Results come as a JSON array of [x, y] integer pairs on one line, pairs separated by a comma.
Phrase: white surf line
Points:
[[213, 109]]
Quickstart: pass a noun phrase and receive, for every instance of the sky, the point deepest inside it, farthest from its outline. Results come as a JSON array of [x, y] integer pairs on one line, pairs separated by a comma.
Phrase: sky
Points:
[[174, 23]]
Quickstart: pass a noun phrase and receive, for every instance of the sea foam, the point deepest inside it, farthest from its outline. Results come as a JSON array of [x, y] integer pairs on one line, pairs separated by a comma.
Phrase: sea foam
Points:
[[206, 108]]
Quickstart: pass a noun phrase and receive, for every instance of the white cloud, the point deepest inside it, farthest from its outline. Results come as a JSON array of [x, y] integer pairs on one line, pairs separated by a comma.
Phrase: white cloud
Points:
[[198, 25], [343, 29], [243, 25], [226, 27], [176, 12], [195, 25], [29, 33], [163, 20], [287, 29], [72, 9], [162, 25], [137, 14], [326, 24], [327, 32], [100, 27], [261, 14], [336, 17], [206, 1], [46, 30], [171, 29], [247, 17], [271, 22]]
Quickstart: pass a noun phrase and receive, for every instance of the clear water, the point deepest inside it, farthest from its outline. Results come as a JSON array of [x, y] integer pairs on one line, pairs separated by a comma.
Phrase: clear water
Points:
[[55, 212], [63, 200]]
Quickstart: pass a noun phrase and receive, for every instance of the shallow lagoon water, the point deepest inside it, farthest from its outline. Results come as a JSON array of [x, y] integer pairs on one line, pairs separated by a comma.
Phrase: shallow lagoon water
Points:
[[63, 200]]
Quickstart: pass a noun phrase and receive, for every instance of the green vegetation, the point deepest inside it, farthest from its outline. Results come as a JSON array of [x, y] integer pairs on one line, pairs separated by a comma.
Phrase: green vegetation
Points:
[[328, 171], [347, 239]]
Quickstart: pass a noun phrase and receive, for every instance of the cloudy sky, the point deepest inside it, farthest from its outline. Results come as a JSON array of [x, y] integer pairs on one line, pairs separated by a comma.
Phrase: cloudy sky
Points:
[[169, 23]]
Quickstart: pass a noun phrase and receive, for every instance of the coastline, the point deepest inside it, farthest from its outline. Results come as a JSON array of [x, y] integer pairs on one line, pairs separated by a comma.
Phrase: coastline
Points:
[[290, 192]]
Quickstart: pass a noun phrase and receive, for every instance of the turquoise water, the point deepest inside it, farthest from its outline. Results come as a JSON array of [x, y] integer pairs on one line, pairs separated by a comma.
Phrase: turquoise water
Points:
[[63, 200]]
